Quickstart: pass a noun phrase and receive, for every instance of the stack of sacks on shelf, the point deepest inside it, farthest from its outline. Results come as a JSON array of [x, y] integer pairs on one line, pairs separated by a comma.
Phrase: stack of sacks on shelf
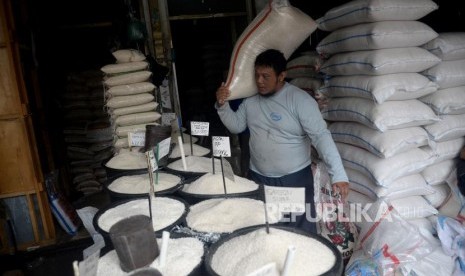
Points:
[[130, 95], [449, 104], [374, 85], [304, 72], [87, 131], [374, 82]]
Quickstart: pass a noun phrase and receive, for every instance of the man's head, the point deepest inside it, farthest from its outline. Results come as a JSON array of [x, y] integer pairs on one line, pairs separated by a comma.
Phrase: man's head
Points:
[[270, 71]]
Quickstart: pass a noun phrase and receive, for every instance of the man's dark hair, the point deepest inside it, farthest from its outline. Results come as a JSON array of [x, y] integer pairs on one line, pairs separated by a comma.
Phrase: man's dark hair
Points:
[[272, 58]]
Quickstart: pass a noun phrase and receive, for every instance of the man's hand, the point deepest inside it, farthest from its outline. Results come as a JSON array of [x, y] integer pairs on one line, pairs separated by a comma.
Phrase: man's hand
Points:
[[342, 188], [222, 94]]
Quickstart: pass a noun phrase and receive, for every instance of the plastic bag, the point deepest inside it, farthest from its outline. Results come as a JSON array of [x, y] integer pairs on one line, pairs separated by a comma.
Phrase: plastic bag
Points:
[[393, 243], [333, 223], [63, 211]]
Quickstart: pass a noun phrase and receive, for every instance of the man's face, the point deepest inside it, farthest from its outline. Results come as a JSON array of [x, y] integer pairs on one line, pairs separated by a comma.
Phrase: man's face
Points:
[[267, 81]]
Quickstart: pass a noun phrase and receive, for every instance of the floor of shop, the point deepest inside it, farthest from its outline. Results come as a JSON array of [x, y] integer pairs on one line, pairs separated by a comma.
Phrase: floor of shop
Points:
[[55, 259]]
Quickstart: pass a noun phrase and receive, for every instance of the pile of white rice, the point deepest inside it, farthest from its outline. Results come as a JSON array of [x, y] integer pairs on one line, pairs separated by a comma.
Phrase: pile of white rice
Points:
[[165, 212], [224, 215], [140, 183], [198, 150], [247, 253], [183, 255], [128, 160], [212, 184], [196, 164]]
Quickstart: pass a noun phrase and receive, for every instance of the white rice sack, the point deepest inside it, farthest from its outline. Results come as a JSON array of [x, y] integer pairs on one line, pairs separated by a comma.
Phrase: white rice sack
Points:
[[122, 131], [279, 26], [128, 55], [448, 46], [380, 62], [390, 87], [377, 35], [446, 150], [423, 224], [447, 73], [125, 101], [437, 263], [131, 89], [360, 11], [447, 101], [134, 109], [356, 197], [128, 78], [137, 118], [125, 67], [383, 144], [437, 173], [441, 192], [385, 116], [413, 207], [304, 66], [308, 84], [121, 143], [405, 186], [448, 128], [381, 171]]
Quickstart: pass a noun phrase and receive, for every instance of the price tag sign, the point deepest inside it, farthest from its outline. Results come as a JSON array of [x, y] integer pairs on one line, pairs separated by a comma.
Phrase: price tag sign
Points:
[[200, 128], [89, 266], [164, 148], [228, 170], [266, 270], [166, 118], [221, 146], [165, 96], [151, 161], [136, 139], [285, 199]]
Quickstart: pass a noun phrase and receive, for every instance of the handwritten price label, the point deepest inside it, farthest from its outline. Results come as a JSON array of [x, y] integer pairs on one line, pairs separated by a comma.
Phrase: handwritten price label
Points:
[[164, 148], [136, 139], [221, 146], [200, 128], [286, 199], [152, 162], [166, 118]]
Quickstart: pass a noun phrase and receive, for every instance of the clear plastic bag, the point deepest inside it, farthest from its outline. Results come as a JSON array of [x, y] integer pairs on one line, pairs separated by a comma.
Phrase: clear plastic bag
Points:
[[392, 242]]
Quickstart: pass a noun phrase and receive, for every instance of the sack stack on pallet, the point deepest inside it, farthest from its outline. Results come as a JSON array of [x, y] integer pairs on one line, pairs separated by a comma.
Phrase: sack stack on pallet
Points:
[[379, 111], [130, 95], [87, 131]]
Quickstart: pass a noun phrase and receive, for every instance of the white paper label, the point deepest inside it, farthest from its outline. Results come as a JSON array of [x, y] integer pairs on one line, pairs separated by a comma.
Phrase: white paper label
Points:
[[221, 146], [136, 139], [165, 97], [164, 148], [285, 199], [89, 266], [151, 161], [166, 118], [266, 270], [200, 128]]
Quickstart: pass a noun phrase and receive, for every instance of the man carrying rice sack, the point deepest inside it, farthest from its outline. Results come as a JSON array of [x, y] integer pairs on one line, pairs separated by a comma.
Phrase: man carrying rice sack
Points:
[[283, 121]]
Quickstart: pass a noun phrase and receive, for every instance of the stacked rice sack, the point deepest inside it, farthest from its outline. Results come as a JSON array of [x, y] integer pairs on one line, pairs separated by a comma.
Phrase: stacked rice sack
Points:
[[449, 104], [376, 109], [278, 26], [130, 99], [304, 72], [86, 130]]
